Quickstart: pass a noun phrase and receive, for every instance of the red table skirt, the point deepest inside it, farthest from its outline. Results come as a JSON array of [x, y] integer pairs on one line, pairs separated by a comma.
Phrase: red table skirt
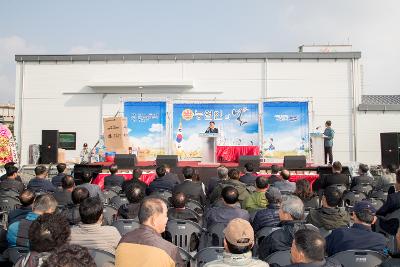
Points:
[[294, 177], [146, 177], [232, 153]]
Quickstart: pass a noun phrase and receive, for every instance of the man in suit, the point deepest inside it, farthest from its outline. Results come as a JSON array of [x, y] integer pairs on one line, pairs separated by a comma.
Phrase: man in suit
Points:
[[211, 128], [249, 178], [193, 189], [64, 197], [113, 179], [56, 180], [363, 177], [337, 177], [392, 204], [162, 181], [274, 174], [328, 135], [40, 183]]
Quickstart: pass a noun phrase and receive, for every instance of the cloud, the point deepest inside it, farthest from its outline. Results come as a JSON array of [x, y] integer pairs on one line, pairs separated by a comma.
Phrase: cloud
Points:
[[156, 128], [96, 48]]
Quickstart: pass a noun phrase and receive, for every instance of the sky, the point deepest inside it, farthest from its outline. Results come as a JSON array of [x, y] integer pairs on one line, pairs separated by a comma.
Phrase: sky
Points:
[[100, 26]]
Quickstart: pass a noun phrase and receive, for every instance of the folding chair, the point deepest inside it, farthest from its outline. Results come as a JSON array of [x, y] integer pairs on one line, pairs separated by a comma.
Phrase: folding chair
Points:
[[109, 214], [126, 225], [8, 203], [208, 254], [215, 235], [359, 258], [280, 257], [102, 258], [184, 233]]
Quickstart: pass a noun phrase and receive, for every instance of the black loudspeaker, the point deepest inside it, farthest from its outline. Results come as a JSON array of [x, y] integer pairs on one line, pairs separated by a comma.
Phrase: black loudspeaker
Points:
[[294, 162], [48, 154], [255, 160], [169, 160], [94, 170], [125, 161], [390, 149], [50, 137]]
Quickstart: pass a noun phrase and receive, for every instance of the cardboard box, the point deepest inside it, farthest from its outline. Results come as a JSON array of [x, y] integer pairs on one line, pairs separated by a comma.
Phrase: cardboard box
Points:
[[116, 134]]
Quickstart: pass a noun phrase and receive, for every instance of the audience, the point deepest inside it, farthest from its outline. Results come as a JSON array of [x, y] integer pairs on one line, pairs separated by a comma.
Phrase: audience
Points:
[[6, 166], [392, 204], [249, 177], [162, 181], [90, 233], [72, 210], [69, 256], [274, 174], [257, 200], [64, 197], [337, 177], [359, 235], [170, 175], [330, 216], [179, 210], [308, 250], [17, 234], [136, 174], [229, 209], [56, 180], [284, 184], [269, 216], [222, 173], [191, 186], [304, 192], [387, 179], [145, 244], [39, 183], [26, 198], [238, 242], [11, 181], [234, 176], [363, 177], [94, 189], [113, 179], [47, 233], [135, 195], [291, 214]]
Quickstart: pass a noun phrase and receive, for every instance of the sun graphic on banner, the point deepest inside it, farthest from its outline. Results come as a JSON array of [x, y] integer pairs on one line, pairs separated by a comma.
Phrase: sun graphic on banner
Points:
[[187, 114]]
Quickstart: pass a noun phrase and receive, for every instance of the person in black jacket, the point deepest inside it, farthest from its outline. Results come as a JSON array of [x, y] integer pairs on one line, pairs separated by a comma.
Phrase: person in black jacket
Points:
[[249, 178], [26, 198], [56, 180], [270, 215], [193, 188], [308, 250], [337, 177], [363, 177], [4, 176], [162, 181], [64, 197], [113, 179], [11, 182], [222, 172], [275, 174], [135, 195], [291, 215], [179, 210], [136, 174], [39, 183]]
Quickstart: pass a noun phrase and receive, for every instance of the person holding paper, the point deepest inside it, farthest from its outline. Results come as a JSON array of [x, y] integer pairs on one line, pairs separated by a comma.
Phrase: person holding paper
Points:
[[328, 135]]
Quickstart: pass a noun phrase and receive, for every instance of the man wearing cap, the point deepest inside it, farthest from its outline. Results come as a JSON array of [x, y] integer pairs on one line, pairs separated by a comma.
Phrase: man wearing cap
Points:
[[360, 235], [270, 215], [238, 241]]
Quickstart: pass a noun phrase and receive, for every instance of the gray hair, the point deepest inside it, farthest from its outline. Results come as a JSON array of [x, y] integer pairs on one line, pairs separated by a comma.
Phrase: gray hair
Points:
[[222, 172], [44, 203], [293, 206]]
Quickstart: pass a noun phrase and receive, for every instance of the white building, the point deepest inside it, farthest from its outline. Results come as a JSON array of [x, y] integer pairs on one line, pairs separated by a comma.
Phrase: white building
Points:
[[72, 93]]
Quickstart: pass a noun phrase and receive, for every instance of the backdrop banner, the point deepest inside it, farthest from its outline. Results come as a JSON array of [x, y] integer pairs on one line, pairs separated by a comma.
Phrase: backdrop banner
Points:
[[146, 128], [237, 125], [285, 130]]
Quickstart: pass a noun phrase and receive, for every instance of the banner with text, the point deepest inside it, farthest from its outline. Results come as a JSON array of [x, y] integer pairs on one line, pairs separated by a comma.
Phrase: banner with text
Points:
[[146, 128], [237, 126], [285, 129]]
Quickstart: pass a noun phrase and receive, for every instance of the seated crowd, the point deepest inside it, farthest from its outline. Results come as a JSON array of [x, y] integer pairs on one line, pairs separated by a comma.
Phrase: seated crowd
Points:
[[61, 223]]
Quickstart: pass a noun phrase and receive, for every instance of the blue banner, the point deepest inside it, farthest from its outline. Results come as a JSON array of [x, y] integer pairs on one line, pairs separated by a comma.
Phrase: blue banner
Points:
[[237, 125], [285, 129], [146, 128]]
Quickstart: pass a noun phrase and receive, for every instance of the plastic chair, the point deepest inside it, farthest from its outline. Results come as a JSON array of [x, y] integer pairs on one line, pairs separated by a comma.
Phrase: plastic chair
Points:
[[118, 201], [109, 194], [109, 214], [196, 206], [359, 258], [215, 235], [9, 192], [208, 254], [15, 253], [126, 225], [186, 257], [163, 194], [184, 234], [280, 257], [350, 198], [324, 232], [8, 203], [381, 194], [376, 202], [101, 257], [264, 232], [362, 188]]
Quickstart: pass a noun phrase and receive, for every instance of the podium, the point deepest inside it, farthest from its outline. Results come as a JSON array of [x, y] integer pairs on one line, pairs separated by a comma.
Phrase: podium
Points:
[[208, 147], [317, 148]]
